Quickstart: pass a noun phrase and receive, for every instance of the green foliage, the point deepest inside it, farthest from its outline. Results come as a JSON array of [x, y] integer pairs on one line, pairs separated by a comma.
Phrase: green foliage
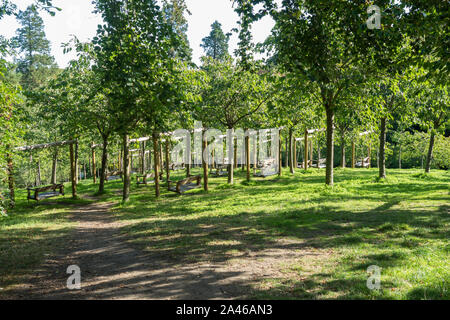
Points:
[[36, 65], [216, 44]]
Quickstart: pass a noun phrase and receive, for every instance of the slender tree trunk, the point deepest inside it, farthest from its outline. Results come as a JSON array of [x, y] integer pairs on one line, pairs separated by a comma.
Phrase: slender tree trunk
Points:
[[370, 156], [76, 161], [330, 146], [205, 163], [167, 162], [353, 155], [126, 168], [343, 150], [280, 159], [73, 173], [291, 152], [156, 150], [101, 187], [231, 165], [294, 152], [430, 152], [400, 157], [94, 169], [286, 158], [54, 166], [318, 153], [10, 172], [305, 165], [382, 156], [247, 156], [38, 175], [235, 164], [84, 170]]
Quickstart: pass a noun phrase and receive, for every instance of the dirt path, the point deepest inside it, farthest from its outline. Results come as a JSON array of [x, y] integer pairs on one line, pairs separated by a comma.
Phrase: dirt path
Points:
[[111, 268]]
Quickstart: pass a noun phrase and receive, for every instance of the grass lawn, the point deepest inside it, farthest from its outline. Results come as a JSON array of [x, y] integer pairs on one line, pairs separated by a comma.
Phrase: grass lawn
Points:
[[304, 239], [30, 233]]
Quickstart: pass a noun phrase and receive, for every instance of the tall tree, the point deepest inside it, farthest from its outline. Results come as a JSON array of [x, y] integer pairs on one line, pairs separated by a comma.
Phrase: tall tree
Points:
[[216, 44], [326, 42], [36, 63]]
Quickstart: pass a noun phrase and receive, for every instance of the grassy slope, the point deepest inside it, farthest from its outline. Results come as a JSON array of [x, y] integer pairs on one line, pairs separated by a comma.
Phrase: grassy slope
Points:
[[401, 225]]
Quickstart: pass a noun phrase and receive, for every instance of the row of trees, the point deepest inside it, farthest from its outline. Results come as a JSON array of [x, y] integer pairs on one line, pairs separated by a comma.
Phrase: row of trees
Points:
[[325, 69]]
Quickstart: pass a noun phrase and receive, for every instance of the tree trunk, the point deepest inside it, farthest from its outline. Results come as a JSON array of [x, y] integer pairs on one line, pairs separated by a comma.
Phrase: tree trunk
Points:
[[286, 158], [400, 157], [330, 146], [231, 164], [10, 172], [291, 152], [247, 156], [295, 152], [54, 166], [167, 162], [353, 155], [94, 169], [382, 156], [73, 173], [38, 173], [76, 161], [280, 160], [126, 168], [156, 150], [430, 152], [205, 163], [343, 151], [305, 165], [101, 187]]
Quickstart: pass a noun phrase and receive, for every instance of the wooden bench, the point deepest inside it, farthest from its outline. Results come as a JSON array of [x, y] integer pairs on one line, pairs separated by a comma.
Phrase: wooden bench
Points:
[[114, 175], [175, 167], [365, 161], [264, 169], [186, 184], [221, 170], [42, 193], [301, 164], [322, 163], [148, 178]]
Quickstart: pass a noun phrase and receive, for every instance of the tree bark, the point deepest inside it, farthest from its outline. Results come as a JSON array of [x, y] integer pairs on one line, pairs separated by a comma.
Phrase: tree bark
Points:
[[353, 155], [381, 153], [247, 156], [101, 187], [400, 157], [54, 166], [291, 152], [343, 150], [126, 168], [94, 169], [330, 146], [156, 150], [73, 174], [10, 172], [205, 163], [230, 165], [167, 162], [430, 152], [305, 165], [280, 160], [76, 161], [38, 173]]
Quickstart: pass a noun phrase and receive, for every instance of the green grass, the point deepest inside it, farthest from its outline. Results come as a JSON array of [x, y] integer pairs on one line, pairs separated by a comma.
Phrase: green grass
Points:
[[31, 232], [400, 225]]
